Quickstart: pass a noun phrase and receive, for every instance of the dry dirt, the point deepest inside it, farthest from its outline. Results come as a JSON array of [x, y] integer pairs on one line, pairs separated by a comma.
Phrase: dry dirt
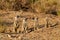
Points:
[[37, 29]]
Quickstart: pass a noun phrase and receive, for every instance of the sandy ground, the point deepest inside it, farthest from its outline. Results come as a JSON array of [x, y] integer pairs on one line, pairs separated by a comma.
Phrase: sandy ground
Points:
[[42, 33]]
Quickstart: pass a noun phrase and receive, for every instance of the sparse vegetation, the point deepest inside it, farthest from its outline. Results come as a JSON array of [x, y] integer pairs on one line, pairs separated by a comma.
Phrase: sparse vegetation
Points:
[[39, 5], [33, 17]]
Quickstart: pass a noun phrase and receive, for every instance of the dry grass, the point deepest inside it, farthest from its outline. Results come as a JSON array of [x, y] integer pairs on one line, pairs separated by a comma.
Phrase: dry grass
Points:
[[8, 8]]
